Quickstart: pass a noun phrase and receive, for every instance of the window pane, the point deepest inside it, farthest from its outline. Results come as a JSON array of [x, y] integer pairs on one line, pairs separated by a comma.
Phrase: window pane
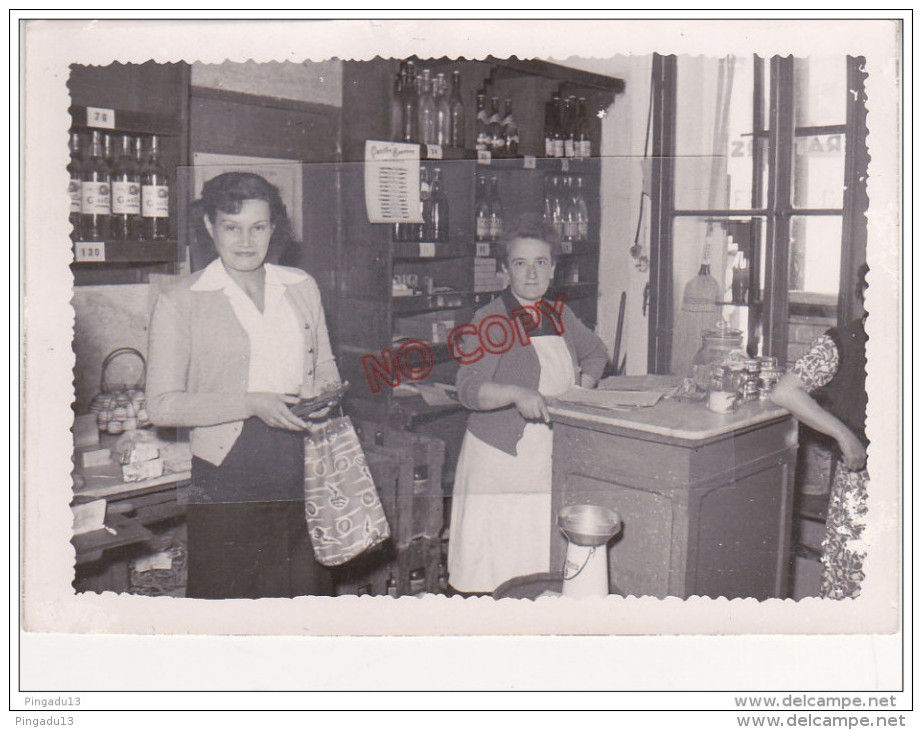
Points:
[[714, 133], [820, 94], [819, 171], [816, 244]]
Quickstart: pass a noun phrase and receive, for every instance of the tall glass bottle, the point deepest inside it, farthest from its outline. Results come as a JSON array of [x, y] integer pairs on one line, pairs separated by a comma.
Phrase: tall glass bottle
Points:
[[482, 209], [410, 108], [456, 111], [495, 129], [497, 218], [395, 131], [483, 133], [557, 146], [549, 201], [442, 111], [548, 129], [125, 224], [426, 110], [570, 225], [569, 140], [95, 192], [510, 131], [582, 212], [155, 196], [108, 153], [583, 141], [422, 230], [74, 171], [438, 209], [557, 207]]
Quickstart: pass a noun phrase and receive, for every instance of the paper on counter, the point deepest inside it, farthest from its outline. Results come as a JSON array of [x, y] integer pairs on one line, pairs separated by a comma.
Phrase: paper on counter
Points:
[[438, 394], [658, 383], [617, 399], [392, 182]]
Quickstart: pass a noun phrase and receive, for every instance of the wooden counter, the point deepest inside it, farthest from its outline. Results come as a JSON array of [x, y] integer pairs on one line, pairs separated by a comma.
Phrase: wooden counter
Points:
[[706, 498]]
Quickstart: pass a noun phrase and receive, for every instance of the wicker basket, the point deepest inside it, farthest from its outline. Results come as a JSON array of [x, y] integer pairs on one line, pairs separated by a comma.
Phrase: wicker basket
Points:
[[121, 407]]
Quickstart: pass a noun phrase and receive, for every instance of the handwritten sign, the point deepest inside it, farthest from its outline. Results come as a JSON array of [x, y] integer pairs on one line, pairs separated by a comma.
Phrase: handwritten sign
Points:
[[100, 117], [483, 157], [483, 249], [529, 162], [90, 251], [392, 182], [434, 151]]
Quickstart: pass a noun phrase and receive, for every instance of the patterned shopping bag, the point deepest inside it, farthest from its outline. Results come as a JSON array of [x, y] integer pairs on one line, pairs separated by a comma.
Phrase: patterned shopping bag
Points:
[[344, 513]]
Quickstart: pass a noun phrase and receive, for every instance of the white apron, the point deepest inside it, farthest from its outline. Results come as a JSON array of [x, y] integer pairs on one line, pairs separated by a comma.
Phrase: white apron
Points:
[[501, 506]]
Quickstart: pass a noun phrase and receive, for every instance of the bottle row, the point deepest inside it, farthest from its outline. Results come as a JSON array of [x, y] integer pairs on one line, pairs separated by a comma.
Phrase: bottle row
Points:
[[433, 204], [424, 111], [565, 207], [118, 188]]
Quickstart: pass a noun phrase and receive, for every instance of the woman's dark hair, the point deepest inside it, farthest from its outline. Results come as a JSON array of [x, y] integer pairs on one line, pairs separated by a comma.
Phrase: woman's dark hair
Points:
[[530, 226], [226, 193]]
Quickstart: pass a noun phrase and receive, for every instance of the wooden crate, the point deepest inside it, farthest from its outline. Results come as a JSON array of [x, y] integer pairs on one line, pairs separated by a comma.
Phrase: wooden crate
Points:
[[416, 510]]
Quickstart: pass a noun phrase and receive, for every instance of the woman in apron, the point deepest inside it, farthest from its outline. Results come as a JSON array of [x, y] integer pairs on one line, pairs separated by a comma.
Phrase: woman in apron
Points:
[[501, 506]]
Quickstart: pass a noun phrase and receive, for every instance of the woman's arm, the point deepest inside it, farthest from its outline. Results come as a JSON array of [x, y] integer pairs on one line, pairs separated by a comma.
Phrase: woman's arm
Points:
[[791, 393], [169, 359], [591, 353], [530, 403]]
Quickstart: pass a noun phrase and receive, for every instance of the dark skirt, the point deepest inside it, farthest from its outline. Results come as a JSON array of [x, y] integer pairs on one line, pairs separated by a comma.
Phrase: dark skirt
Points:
[[247, 535]]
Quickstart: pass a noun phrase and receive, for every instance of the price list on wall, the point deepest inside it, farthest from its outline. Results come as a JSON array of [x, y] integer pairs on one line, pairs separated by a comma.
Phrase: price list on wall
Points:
[[392, 182]]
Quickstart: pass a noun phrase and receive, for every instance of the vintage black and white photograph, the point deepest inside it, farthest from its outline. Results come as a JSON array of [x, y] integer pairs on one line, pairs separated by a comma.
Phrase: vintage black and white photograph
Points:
[[568, 328]]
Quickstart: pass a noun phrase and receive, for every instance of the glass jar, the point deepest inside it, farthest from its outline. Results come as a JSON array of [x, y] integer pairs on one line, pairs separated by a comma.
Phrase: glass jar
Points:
[[716, 346]]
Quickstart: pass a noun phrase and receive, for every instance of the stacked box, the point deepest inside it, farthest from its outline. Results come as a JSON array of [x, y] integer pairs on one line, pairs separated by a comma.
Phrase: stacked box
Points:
[[407, 470], [486, 276], [431, 327]]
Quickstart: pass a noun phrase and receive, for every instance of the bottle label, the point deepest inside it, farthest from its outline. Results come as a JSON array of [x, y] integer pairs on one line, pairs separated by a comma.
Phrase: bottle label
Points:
[[94, 198], [126, 198], [583, 230], [585, 149], [569, 149], [155, 201], [73, 189], [496, 227], [569, 229], [558, 148], [548, 146], [483, 227]]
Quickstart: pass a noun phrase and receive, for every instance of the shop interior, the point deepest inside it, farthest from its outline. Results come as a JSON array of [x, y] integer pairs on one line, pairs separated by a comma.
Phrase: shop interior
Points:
[[693, 194]]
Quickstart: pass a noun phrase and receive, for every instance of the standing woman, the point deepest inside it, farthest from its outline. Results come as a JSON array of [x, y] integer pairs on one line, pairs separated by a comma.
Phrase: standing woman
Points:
[[826, 390], [231, 348], [501, 507]]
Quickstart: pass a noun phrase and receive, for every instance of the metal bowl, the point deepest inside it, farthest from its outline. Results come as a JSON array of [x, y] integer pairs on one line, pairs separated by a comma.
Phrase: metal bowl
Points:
[[588, 525]]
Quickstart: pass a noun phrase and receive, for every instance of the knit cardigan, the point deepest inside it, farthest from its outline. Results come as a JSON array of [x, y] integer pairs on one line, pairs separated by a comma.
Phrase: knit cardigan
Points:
[[503, 427], [199, 359]]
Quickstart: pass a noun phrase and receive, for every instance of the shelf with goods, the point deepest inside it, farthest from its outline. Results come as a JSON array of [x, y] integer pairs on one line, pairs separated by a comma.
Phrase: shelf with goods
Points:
[[390, 290], [108, 107]]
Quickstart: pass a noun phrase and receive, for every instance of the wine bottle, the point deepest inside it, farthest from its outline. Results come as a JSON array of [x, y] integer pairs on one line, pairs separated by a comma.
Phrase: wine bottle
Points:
[[396, 104], [456, 106], [569, 211], [483, 134], [107, 152], [482, 209], [95, 192], [569, 140], [495, 129], [426, 110], [557, 207], [422, 230], [125, 224], [410, 129], [155, 196], [582, 212], [74, 171], [583, 141], [558, 126], [442, 111], [510, 131], [496, 211], [549, 113], [438, 209]]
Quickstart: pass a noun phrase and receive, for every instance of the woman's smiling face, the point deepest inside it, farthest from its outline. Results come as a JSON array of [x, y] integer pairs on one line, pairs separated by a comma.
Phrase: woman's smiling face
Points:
[[242, 238]]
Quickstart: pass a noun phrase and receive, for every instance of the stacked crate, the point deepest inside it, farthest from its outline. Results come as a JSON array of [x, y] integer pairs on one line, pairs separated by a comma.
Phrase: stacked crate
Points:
[[407, 471]]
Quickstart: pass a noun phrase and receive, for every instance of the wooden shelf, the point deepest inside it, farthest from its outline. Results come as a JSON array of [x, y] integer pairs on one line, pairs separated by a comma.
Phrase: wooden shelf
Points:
[[425, 251], [127, 122], [123, 252]]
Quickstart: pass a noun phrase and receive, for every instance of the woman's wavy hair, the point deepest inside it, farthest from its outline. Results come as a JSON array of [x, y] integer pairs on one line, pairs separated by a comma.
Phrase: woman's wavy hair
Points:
[[226, 193]]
